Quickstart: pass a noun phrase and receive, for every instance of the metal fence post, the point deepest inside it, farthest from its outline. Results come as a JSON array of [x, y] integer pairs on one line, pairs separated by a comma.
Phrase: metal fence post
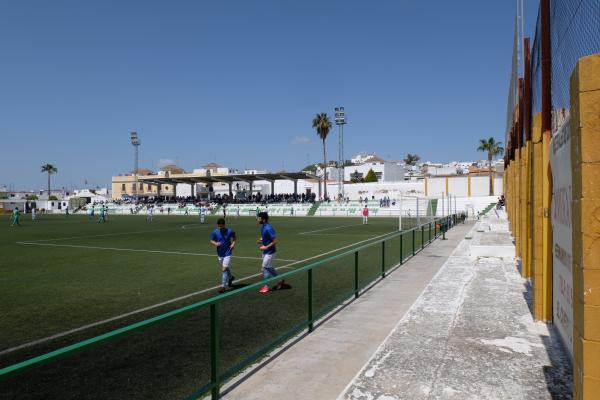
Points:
[[310, 300], [383, 259], [356, 274], [401, 255], [413, 241], [422, 236], [429, 227], [214, 351]]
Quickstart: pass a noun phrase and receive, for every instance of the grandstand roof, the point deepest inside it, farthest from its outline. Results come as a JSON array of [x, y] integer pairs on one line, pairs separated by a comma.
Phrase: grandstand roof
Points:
[[197, 178]]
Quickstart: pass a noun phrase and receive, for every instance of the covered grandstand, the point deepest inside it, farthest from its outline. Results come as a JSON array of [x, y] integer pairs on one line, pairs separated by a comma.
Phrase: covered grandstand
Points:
[[210, 180]]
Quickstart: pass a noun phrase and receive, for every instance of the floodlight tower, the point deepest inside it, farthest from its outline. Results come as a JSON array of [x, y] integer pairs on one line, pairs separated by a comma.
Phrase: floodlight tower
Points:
[[136, 142], [340, 121]]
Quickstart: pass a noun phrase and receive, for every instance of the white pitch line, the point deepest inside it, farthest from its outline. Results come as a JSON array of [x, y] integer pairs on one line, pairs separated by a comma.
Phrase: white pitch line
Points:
[[77, 246], [328, 229], [109, 234], [93, 324]]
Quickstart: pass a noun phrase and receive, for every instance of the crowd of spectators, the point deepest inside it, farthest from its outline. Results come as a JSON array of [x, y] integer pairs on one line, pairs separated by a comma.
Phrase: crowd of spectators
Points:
[[385, 202], [224, 199], [264, 199], [219, 199]]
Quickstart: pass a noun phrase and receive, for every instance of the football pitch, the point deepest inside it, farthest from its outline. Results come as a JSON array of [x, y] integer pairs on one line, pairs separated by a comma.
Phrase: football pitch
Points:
[[64, 280]]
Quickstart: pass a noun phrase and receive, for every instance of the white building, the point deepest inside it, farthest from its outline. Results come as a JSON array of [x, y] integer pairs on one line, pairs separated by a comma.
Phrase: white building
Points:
[[91, 196], [365, 158], [215, 169], [451, 168], [385, 171], [254, 171]]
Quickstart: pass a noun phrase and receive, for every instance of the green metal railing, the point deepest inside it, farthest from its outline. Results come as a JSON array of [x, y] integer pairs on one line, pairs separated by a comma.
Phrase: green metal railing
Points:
[[218, 374]]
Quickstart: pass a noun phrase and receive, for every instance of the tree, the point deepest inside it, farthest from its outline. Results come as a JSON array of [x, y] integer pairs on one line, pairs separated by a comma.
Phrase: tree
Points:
[[49, 169], [312, 168], [493, 148], [371, 177], [411, 159], [322, 124]]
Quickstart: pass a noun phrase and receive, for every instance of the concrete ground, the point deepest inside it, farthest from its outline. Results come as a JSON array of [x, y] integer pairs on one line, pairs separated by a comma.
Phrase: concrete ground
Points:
[[453, 323], [470, 335], [320, 365]]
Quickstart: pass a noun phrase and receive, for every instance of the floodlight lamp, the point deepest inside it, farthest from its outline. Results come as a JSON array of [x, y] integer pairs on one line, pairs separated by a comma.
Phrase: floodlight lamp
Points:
[[340, 117], [135, 140]]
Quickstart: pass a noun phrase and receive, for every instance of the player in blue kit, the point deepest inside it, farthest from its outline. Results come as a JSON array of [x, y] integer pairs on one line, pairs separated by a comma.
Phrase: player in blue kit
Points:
[[223, 239], [268, 241]]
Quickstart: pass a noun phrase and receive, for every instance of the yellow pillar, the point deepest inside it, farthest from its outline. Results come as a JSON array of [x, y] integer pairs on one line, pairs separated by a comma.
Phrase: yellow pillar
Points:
[[526, 266], [523, 219], [546, 228], [513, 196], [517, 197], [508, 196], [469, 185], [426, 188], [537, 219], [447, 192], [585, 159]]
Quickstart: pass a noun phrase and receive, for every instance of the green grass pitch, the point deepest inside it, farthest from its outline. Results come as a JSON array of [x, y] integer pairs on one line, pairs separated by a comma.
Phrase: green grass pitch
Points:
[[67, 279]]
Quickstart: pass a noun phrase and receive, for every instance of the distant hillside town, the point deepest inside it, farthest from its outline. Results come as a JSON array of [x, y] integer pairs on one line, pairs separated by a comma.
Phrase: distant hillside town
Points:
[[365, 174]]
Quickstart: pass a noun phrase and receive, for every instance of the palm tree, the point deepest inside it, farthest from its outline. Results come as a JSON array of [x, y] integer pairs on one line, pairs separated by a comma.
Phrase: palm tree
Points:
[[411, 159], [322, 124], [493, 148], [50, 169]]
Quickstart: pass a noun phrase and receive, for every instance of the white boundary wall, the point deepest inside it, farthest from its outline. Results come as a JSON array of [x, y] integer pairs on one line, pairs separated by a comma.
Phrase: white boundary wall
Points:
[[436, 187], [459, 186]]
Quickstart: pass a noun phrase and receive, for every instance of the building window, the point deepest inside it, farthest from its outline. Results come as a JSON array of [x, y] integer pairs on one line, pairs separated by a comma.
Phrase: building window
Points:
[[378, 175], [123, 187], [149, 187], [141, 186], [166, 188]]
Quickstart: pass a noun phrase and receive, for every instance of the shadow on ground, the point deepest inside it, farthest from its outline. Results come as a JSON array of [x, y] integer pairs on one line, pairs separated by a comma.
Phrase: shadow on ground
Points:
[[558, 375]]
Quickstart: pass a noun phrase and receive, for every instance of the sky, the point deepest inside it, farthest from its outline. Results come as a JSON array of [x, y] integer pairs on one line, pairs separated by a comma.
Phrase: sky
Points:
[[238, 82]]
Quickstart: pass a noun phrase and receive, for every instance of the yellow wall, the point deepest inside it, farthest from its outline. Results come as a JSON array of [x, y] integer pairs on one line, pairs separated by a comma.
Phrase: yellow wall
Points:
[[585, 157], [144, 189]]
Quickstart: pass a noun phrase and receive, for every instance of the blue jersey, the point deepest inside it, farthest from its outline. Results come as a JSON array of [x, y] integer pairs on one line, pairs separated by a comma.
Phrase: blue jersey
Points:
[[225, 237], [268, 235]]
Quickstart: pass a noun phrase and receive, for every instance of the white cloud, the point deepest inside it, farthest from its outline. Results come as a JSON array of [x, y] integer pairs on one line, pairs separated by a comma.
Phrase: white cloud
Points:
[[301, 140], [163, 162]]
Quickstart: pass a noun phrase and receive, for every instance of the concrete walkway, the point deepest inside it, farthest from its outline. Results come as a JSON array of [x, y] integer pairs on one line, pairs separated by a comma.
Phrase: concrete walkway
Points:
[[454, 323], [470, 335], [321, 364]]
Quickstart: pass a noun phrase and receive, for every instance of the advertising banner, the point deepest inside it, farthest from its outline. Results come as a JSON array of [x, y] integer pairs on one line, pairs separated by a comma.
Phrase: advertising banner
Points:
[[562, 274]]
